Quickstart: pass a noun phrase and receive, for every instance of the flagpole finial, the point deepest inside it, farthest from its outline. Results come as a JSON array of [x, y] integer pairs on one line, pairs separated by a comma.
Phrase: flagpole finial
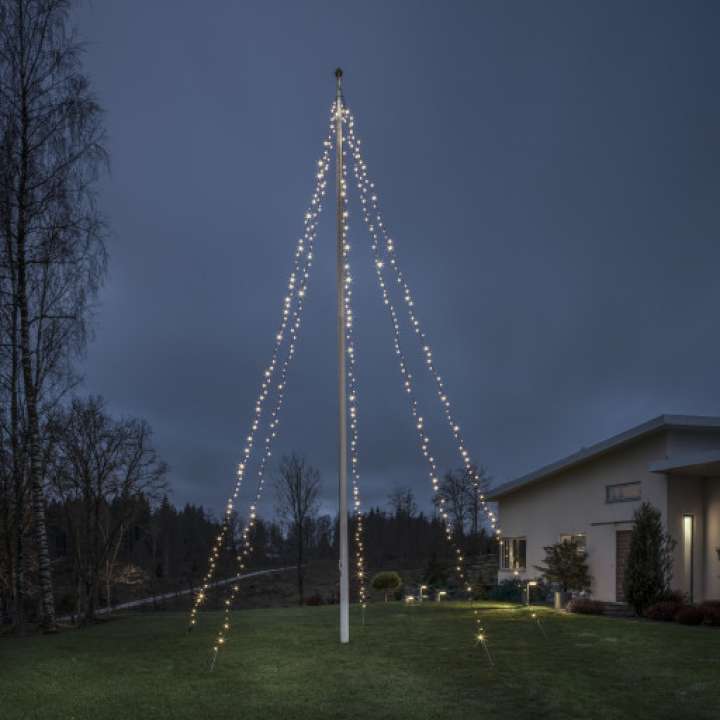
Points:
[[338, 73]]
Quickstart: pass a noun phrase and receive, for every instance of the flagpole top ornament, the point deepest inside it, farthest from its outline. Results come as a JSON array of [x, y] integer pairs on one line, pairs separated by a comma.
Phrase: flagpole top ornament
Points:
[[338, 73]]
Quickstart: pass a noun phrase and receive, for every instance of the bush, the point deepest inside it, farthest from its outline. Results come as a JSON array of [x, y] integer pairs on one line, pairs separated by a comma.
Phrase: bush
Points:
[[509, 590], [649, 564], [585, 606], [566, 566], [675, 596], [665, 610], [387, 582], [314, 600], [689, 615], [711, 613]]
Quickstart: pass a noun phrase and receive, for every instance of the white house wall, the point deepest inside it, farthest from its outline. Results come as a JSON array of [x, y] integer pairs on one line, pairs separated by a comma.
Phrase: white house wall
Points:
[[682, 442], [712, 538], [574, 502], [686, 496]]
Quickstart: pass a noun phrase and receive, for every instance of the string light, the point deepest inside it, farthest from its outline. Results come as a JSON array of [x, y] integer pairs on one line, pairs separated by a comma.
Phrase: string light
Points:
[[353, 391], [364, 186], [290, 318], [389, 256], [289, 327], [246, 546]]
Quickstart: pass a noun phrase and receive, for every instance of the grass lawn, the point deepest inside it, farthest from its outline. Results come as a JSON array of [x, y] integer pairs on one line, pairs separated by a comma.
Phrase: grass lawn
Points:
[[407, 662]]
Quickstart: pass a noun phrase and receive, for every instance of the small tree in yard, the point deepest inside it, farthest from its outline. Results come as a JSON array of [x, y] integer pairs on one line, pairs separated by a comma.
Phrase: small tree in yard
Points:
[[387, 582], [648, 570], [565, 565], [297, 486]]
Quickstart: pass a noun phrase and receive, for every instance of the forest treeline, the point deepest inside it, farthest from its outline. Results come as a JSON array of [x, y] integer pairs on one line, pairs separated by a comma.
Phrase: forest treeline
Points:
[[120, 538]]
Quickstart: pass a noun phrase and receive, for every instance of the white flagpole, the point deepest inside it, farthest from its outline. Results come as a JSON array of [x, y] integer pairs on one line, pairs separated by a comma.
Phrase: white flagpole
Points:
[[342, 401]]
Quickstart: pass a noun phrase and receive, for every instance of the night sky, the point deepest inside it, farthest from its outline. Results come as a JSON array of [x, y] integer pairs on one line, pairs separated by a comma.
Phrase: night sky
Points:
[[550, 173]]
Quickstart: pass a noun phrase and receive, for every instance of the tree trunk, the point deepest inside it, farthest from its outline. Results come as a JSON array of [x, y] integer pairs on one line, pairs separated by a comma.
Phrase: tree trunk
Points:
[[17, 540], [89, 587], [300, 579], [19, 491], [47, 619], [108, 603]]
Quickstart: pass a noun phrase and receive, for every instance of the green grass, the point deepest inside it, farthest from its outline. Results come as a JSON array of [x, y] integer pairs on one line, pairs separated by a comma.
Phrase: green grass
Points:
[[406, 662]]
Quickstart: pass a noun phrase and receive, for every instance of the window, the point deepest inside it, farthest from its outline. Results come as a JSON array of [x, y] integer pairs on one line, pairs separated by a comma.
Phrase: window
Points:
[[505, 553], [625, 492], [519, 549], [579, 539], [513, 553]]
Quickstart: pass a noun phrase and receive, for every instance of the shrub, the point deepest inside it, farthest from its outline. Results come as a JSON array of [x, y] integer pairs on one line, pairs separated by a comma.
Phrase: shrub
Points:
[[314, 600], [649, 564], [388, 582], [509, 590], [565, 565], [436, 572], [711, 612], [689, 615], [540, 593], [585, 606], [665, 610], [676, 596]]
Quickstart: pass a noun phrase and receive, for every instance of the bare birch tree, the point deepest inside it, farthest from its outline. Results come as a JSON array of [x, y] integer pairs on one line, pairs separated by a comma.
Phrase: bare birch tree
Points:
[[99, 466], [52, 149]]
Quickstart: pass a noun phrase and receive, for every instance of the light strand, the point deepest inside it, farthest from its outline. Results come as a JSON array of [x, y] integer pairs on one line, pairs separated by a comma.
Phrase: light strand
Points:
[[353, 394], [423, 437], [246, 546], [296, 290], [377, 228]]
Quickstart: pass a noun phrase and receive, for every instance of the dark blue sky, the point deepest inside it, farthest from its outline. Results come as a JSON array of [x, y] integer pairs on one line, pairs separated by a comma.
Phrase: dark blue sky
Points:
[[550, 172]]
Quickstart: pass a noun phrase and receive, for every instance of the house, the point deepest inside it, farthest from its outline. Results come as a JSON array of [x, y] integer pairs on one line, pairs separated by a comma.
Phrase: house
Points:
[[672, 461]]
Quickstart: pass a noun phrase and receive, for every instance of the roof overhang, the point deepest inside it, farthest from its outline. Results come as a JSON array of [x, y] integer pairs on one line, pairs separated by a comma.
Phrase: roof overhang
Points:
[[662, 422], [702, 464]]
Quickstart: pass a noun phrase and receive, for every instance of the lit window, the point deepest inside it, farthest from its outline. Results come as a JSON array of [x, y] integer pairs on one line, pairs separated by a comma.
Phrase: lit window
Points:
[[579, 539], [513, 553], [505, 553], [625, 492], [519, 548]]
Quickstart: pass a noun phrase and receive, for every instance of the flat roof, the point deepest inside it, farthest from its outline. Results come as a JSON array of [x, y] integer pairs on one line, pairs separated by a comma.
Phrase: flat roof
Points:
[[662, 422]]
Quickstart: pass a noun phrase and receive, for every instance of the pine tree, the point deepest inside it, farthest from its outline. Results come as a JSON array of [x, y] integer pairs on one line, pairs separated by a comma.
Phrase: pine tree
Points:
[[648, 571], [565, 565]]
